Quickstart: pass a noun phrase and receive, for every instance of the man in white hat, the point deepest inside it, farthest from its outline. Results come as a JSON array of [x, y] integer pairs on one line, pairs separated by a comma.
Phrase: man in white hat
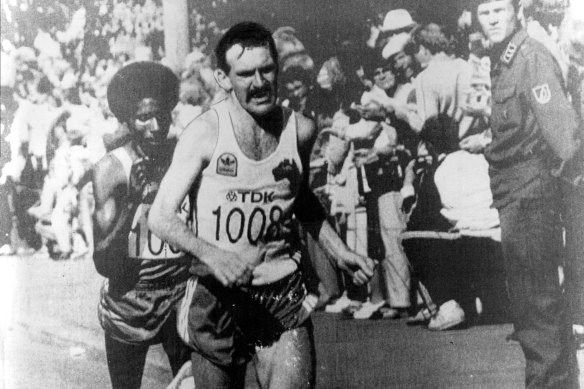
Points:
[[405, 69], [397, 21]]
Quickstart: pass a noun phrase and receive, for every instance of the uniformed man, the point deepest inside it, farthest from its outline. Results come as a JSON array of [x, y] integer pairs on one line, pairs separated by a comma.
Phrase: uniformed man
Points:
[[534, 129]]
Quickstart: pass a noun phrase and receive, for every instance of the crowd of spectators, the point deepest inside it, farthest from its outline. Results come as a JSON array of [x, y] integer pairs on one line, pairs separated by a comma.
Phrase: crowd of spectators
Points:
[[404, 121], [57, 61], [403, 118]]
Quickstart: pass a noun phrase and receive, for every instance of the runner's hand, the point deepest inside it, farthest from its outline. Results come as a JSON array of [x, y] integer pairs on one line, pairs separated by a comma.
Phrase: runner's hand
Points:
[[272, 271], [358, 266], [228, 268], [142, 188]]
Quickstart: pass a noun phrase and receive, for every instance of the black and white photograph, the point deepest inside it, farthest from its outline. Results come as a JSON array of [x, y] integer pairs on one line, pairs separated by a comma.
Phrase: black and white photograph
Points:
[[275, 194]]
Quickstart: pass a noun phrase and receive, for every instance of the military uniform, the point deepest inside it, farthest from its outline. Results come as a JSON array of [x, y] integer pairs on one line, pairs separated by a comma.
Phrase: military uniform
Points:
[[534, 129]]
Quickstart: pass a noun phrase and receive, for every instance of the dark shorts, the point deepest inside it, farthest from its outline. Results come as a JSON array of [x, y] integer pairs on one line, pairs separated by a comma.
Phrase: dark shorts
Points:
[[137, 315], [225, 325]]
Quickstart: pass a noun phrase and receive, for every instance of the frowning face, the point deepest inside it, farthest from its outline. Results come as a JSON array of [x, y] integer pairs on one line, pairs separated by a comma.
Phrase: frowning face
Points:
[[498, 19], [150, 124], [252, 78]]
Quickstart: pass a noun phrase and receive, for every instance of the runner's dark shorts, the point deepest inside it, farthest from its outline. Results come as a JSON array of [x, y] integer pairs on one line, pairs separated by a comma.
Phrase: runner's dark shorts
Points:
[[225, 325]]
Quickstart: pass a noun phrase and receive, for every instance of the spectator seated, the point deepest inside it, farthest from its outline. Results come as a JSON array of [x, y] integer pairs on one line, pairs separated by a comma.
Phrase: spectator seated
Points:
[[453, 239]]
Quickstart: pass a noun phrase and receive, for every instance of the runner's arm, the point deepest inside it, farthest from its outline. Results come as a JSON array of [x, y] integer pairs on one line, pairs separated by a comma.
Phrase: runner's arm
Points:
[[111, 217], [193, 151]]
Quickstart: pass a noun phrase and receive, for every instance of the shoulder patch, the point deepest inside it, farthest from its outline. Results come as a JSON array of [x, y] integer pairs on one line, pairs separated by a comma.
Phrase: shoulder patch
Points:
[[227, 165], [542, 93], [509, 53]]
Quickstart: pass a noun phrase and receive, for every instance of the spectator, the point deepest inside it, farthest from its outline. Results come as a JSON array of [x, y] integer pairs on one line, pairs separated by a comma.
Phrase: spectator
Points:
[[444, 81], [339, 195], [403, 62], [384, 162], [291, 51], [298, 91], [396, 22], [450, 266], [403, 109], [328, 104]]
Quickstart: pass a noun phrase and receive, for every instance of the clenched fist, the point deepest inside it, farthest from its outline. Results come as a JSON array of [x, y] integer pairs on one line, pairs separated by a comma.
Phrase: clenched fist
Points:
[[142, 188]]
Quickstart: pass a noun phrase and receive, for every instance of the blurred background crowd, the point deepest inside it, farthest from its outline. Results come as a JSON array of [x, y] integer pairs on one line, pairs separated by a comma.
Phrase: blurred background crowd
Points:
[[400, 91]]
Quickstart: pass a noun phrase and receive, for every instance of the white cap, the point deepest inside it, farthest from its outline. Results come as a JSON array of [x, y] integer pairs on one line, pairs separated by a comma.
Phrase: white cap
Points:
[[397, 19], [395, 45]]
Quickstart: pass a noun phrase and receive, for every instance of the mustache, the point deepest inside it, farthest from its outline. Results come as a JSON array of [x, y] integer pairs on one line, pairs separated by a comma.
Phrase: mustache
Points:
[[259, 91]]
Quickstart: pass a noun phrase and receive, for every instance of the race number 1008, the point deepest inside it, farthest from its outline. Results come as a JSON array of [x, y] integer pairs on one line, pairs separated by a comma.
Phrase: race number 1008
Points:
[[259, 223]]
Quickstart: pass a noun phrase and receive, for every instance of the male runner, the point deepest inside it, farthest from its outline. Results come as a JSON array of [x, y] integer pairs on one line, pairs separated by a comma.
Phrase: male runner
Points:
[[140, 293], [245, 162]]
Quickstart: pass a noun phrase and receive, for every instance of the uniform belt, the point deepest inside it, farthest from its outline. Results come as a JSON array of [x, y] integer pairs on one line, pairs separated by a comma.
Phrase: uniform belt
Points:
[[524, 162]]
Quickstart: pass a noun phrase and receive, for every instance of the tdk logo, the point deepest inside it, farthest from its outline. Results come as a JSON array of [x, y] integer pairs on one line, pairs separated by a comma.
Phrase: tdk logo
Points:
[[256, 197]]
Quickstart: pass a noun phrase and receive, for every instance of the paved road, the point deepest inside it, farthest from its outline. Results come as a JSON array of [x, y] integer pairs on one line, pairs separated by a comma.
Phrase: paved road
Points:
[[38, 360], [51, 338], [51, 335]]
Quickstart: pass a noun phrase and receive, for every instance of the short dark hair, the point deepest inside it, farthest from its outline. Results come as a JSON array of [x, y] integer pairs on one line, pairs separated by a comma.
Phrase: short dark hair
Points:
[[440, 132], [247, 34], [138, 81]]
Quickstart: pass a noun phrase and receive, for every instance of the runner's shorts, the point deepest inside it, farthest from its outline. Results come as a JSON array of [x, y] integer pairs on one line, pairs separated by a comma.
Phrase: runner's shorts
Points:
[[137, 315], [225, 325]]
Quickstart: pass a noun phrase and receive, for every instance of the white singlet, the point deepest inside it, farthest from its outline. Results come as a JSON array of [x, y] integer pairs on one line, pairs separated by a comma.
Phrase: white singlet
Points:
[[245, 206]]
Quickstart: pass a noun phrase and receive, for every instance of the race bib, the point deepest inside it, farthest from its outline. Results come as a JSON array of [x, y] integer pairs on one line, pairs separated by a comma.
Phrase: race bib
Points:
[[143, 244]]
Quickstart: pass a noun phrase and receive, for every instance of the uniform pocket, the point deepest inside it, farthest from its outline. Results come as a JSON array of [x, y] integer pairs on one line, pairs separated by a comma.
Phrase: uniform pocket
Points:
[[500, 95], [506, 108]]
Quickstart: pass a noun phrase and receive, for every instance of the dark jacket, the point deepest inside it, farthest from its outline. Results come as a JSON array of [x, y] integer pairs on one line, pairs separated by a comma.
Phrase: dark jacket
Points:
[[533, 123]]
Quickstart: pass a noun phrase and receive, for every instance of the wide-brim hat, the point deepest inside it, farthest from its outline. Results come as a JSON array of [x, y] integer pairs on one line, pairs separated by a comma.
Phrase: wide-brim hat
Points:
[[396, 19], [395, 45]]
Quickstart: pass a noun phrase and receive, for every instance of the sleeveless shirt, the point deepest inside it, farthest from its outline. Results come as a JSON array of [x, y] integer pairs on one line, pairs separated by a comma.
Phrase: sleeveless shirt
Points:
[[245, 206], [143, 244]]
